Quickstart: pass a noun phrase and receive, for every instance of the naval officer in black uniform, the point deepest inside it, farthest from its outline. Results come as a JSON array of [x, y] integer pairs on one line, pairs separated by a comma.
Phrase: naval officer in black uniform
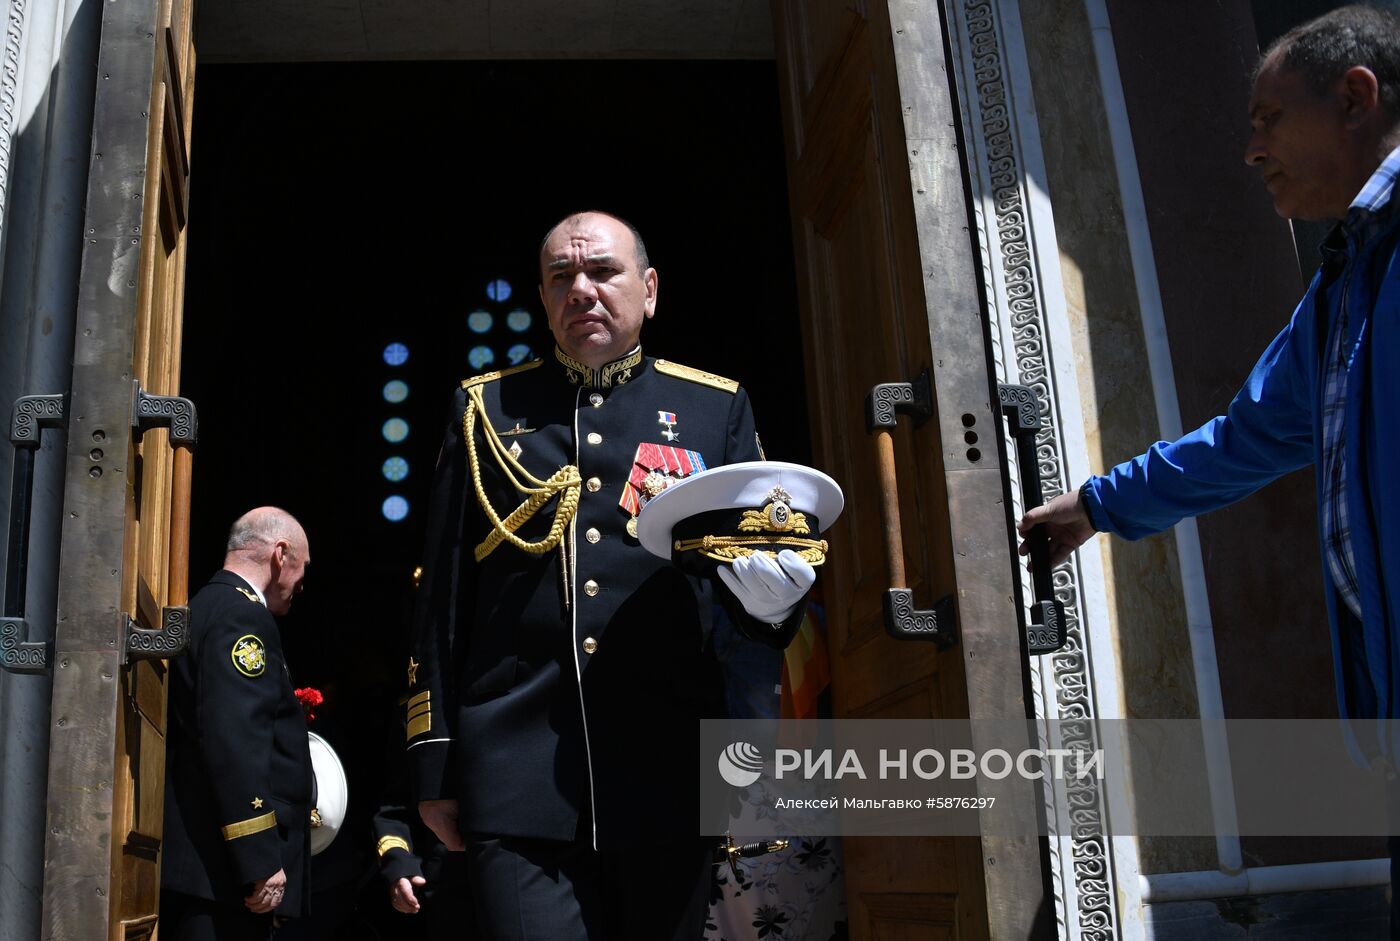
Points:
[[238, 777], [559, 669]]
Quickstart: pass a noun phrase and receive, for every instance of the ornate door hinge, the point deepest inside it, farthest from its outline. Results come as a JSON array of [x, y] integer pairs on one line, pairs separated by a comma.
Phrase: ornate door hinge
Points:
[[144, 643], [164, 411]]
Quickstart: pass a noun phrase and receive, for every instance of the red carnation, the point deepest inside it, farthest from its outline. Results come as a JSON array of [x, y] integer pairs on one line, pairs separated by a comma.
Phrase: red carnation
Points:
[[309, 698]]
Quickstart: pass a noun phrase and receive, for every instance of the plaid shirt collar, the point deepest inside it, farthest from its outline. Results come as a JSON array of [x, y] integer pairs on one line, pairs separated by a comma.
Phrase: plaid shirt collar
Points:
[[1375, 195], [1368, 211]]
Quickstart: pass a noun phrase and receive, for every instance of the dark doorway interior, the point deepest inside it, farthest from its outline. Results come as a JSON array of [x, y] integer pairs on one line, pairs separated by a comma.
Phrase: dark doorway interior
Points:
[[337, 209]]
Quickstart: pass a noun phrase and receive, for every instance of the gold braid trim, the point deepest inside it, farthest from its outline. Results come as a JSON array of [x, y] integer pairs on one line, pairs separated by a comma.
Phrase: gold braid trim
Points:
[[756, 521], [250, 826], [565, 482], [387, 843], [729, 548]]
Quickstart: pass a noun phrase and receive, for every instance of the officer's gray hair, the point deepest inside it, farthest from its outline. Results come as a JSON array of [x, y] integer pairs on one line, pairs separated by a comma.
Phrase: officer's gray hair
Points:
[[1322, 50], [643, 262], [263, 527]]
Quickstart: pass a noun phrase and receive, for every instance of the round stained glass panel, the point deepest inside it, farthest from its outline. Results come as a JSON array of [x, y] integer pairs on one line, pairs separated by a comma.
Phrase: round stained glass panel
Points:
[[395, 508], [395, 469], [395, 354], [395, 430], [519, 320]]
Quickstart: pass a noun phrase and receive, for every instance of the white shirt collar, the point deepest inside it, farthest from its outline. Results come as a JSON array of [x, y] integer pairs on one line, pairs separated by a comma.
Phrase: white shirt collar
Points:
[[262, 599]]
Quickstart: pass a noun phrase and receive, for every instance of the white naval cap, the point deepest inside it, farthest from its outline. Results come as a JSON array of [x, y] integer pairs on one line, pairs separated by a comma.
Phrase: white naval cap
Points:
[[775, 496], [332, 793]]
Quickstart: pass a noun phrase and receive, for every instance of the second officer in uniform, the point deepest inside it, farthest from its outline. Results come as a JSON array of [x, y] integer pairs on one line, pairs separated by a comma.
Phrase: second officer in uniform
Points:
[[238, 777], [559, 669]]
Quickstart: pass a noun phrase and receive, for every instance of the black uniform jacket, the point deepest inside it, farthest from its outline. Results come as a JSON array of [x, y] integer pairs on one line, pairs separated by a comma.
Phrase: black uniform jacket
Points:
[[577, 677], [238, 776]]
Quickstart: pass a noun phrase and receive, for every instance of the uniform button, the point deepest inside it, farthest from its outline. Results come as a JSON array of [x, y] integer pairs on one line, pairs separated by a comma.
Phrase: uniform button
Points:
[[594, 485], [589, 645], [595, 400], [590, 588], [595, 438], [593, 535]]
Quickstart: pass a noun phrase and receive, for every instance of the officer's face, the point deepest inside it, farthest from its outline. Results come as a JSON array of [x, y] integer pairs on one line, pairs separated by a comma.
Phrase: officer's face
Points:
[[593, 290], [289, 562]]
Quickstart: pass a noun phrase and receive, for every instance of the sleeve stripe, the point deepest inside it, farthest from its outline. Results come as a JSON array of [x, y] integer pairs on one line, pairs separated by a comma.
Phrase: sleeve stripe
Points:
[[250, 826], [420, 725], [387, 843], [416, 711], [428, 741], [421, 697]]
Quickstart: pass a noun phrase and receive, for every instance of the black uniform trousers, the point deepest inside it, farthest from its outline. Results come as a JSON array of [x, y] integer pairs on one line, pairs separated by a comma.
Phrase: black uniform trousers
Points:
[[447, 900], [186, 918], [543, 890]]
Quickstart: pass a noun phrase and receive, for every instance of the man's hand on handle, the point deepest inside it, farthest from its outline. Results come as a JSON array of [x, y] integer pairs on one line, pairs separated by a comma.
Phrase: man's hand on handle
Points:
[[267, 893], [1066, 523], [441, 818]]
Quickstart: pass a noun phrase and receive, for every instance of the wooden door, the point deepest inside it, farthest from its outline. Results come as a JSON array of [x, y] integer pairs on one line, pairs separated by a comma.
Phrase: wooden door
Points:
[[123, 566], [888, 283]]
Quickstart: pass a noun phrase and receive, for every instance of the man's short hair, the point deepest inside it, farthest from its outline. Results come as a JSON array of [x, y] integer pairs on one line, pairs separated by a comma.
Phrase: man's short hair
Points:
[[1321, 50], [262, 527], [643, 262]]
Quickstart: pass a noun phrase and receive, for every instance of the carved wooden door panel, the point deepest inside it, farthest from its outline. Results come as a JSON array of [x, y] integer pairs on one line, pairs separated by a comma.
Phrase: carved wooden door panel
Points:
[[124, 558], [887, 278]]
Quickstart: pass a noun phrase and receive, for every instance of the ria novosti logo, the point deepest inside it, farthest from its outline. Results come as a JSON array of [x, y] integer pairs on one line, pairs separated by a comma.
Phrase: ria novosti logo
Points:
[[740, 764]]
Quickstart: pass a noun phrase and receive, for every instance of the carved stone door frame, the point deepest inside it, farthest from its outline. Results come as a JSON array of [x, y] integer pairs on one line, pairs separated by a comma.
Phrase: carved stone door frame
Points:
[[1095, 875]]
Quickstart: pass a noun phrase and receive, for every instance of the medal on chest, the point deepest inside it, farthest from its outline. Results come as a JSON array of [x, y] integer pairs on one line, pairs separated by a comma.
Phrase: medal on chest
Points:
[[654, 468]]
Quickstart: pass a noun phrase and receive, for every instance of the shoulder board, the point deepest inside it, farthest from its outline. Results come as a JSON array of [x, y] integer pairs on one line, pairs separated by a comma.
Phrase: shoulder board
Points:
[[696, 375], [486, 377], [251, 596]]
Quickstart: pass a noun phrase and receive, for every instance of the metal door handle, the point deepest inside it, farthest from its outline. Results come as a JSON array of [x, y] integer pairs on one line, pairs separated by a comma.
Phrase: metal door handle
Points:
[[1045, 630], [31, 415], [903, 621], [179, 415]]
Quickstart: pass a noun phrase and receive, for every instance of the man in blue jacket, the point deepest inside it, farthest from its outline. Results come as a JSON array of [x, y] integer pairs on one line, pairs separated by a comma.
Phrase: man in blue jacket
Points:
[[1326, 138]]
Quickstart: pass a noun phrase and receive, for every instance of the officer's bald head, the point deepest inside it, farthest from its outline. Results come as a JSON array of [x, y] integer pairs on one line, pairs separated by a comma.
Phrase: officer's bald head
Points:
[[268, 548], [257, 532]]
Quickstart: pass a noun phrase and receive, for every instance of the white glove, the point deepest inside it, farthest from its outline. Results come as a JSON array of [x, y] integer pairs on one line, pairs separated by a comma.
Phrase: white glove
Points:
[[769, 591]]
